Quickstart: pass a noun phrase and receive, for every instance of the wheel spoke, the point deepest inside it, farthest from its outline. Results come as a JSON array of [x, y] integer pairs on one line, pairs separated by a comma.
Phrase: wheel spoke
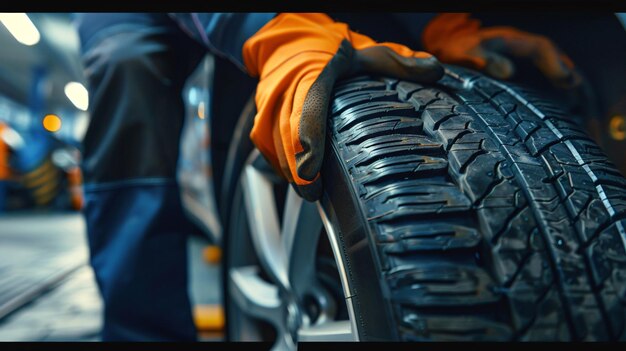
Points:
[[329, 331], [334, 243], [263, 223], [300, 234], [286, 252], [254, 296]]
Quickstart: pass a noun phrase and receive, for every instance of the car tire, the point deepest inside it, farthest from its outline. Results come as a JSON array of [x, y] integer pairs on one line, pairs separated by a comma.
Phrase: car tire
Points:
[[470, 210]]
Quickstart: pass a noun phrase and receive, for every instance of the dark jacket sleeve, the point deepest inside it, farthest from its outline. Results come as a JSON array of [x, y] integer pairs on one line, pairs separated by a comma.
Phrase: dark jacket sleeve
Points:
[[415, 23], [223, 33]]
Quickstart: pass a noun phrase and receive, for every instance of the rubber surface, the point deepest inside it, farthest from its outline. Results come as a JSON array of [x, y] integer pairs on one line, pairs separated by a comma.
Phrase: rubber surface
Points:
[[489, 213]]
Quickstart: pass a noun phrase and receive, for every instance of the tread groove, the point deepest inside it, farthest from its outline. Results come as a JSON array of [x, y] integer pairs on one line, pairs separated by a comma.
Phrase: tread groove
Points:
[[504, 157]]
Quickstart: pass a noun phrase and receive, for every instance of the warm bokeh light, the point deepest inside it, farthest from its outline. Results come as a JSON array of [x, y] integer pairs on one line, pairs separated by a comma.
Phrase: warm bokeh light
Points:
[[52, 123], [78, 95], [201, 110], [617, 127], [20, 27]]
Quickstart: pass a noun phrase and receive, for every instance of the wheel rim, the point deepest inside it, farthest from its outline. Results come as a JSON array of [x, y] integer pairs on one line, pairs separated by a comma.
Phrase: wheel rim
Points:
[[280, 282]]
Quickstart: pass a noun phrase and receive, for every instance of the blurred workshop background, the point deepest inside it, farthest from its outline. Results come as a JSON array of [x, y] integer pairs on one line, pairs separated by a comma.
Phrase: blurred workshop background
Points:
[[47, 289]]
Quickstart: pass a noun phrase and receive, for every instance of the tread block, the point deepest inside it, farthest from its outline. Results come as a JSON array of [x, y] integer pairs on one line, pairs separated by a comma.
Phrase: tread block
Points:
[[409, 238], [441, 285], [454, 329]]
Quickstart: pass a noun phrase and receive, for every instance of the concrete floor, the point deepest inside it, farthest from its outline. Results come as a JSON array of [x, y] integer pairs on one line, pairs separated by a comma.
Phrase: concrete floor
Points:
[[70, 311], [47, 289]]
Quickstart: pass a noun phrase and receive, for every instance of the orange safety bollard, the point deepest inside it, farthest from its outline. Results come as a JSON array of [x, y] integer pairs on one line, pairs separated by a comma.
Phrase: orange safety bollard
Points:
[[75, 181], [212, 254], [5, 172], [209, 320]]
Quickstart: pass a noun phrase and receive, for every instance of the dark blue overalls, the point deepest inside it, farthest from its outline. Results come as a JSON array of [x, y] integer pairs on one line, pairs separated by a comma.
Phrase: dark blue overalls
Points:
[[136, 65]]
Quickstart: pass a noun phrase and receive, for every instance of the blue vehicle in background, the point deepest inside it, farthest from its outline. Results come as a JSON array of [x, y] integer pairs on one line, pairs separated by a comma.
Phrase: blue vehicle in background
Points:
[[43, 172], [43, 104]]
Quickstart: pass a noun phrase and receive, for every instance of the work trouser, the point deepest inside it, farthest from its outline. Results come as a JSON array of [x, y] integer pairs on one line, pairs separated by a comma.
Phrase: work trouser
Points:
[[3, 194], [136, 66]]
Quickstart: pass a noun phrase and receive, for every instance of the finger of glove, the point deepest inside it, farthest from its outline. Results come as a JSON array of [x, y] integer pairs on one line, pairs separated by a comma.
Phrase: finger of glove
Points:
[[383, 60], [310, 192], [274, 137], [281, 157], [309, 143], [496, 65], [291, 118], [265, 134], [544, 54], [279, 104], [312, 122]]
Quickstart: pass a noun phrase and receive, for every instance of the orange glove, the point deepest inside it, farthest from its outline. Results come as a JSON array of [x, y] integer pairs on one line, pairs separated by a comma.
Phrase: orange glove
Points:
[[456, 38], [298, 57]]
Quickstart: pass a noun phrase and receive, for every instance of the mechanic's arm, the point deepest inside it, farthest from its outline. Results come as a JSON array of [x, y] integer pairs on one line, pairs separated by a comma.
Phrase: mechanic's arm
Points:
[[457, 38], [297, 58], [223, 33]]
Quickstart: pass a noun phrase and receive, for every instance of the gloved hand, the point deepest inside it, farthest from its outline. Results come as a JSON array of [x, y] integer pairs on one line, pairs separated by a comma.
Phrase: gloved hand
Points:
[[298, 57], [456, 38]]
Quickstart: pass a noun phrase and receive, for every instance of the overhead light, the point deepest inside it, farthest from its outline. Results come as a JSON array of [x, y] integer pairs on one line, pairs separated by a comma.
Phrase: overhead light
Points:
[[81, 122], [21, 27], [12, 138], [78, 95]]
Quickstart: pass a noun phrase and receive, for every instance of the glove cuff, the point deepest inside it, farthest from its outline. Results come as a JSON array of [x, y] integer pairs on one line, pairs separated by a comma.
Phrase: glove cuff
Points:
[[288, 34]]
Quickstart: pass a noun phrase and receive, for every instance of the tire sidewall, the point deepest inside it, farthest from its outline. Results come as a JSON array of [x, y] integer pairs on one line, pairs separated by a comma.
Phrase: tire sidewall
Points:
[[339, 201]]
